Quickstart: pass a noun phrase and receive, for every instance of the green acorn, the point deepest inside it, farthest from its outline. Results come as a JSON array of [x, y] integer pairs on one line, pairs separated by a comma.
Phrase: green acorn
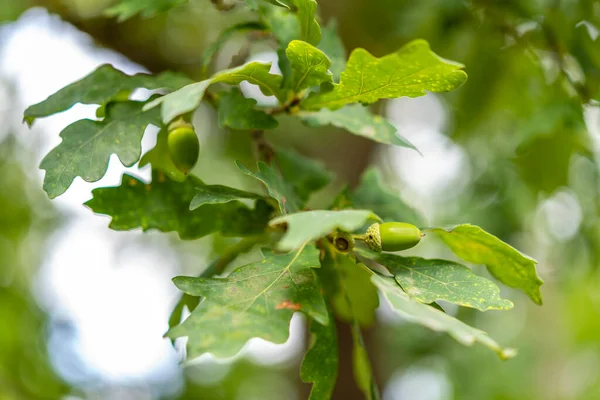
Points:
[[392, 236], [183, 145]]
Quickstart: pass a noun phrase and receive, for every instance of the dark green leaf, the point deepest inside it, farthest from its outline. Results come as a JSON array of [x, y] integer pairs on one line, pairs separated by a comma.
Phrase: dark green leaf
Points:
[[320, 364], [189, 97], [505, 263], [307, 175], [331, 44], [126, 9], [257, 300], [357, 119], [161, 160], [87, 146], [372, 194], [218, 194], [431, 318], [411, 71], [310, 66], [164, 205], [239, 112], [99, 87], [431, 280], [278, 188], [303, 227]]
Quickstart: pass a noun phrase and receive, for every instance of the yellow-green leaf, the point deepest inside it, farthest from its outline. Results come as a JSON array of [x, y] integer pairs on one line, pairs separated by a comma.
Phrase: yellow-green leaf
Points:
[[411, 71]]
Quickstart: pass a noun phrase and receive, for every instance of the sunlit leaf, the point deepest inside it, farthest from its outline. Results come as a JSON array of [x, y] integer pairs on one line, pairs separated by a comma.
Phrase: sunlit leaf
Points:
[[505, 263], [358, 120], [310, 66], [165, 205], [425, 315], [411, 71], [256, 300], [99, 87], [310, 225], [87, 146]]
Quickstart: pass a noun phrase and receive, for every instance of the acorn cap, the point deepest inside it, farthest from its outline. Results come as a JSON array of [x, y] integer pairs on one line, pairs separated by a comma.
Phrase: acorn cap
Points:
[[373, 238]]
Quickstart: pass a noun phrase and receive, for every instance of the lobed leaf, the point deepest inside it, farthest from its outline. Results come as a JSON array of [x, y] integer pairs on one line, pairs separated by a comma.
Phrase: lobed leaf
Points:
[[307, 174], [425, 315], [320, 364], [411, 71], [238, 112], [310, 66], [87, 146], [126, 9], [189, 97], [372, 194], [164, 205], [101, 86], [305, 226], [358, 120], [430, 280], [256, 300], [278, 188], [505, 263], [218, 194]]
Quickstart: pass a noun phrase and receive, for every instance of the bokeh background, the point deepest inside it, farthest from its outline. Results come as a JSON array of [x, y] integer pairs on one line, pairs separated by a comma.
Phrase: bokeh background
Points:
[[516, 151]]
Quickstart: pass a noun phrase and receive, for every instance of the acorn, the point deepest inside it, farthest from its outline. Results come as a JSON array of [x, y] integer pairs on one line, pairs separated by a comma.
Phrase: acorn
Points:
[[392, 236], [183, 145]]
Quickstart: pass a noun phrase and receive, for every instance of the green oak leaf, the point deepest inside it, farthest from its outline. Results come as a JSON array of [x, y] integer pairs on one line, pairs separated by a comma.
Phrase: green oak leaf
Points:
[[160, 159], [431, 280], [87, 146], [363, 372], [218, 194], [278, 188], [164, 205], [425, 315], [310, 66], [505, 263], [213, 48], [358, 120], [189, 97], [331, 44], [99, 87], [352, 294], [310, 31], [320, 364], [310, 225], [372, 194], [307, 174], [411, 71], [126, 9], [238, 112], [256, 300]]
